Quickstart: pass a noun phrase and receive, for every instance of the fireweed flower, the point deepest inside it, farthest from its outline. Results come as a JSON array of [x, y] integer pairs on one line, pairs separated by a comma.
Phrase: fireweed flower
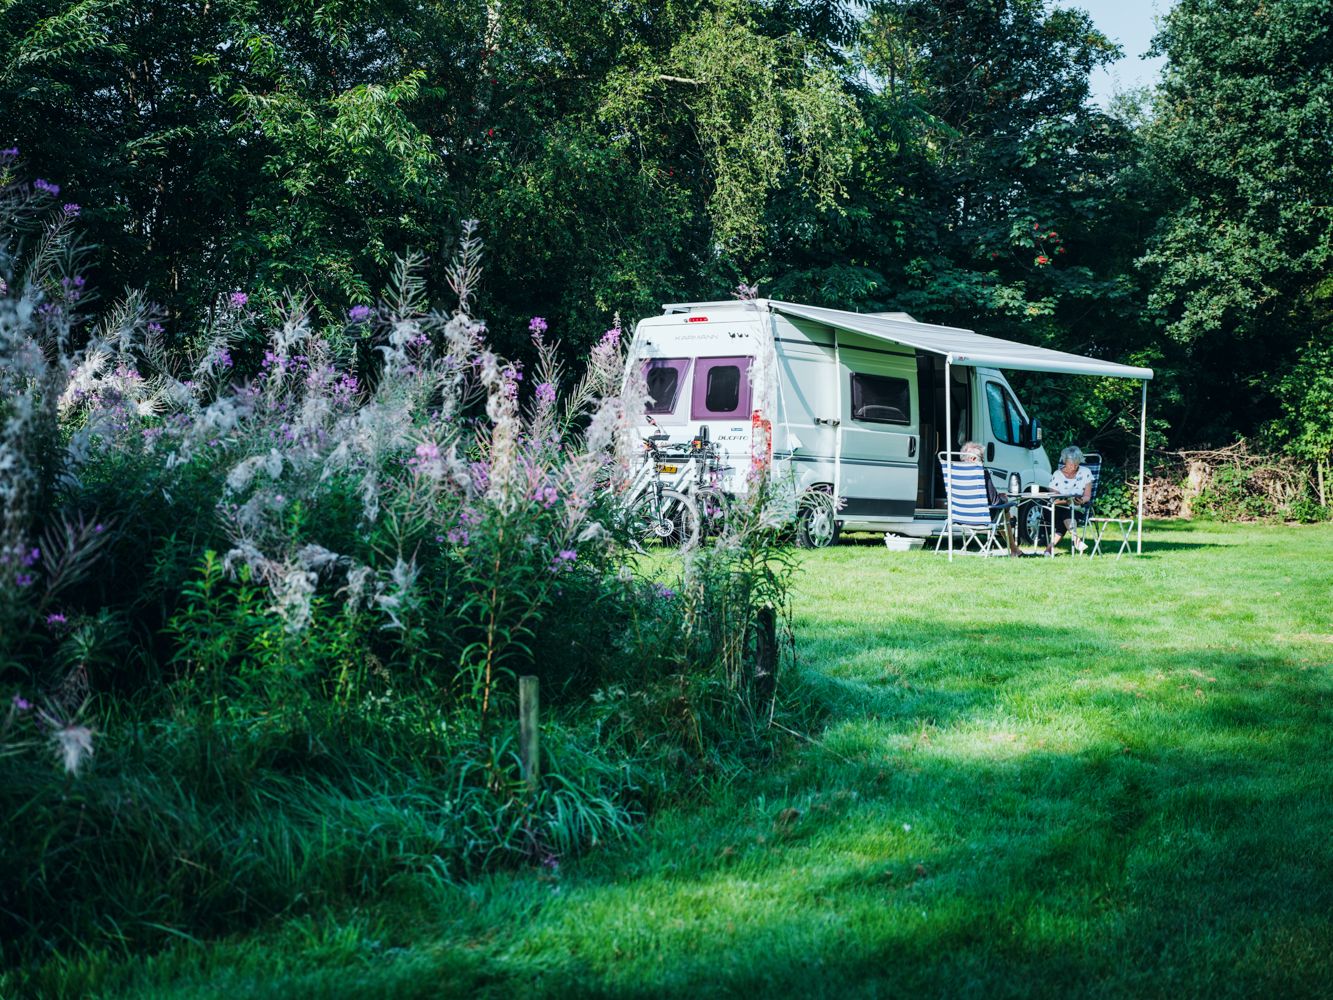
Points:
[[71, 209], [54, 620], [11, 151], [564, 559], [359, 314], [237, 300], [23, 579], [545, 392], [20, 703], [46, 187], [537, 326], [73, 745], [155, 329]]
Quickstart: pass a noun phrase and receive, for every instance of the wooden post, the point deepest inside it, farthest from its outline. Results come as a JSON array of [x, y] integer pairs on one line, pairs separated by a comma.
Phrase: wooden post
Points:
[[1323, 497], [766, 652], [528, 733]]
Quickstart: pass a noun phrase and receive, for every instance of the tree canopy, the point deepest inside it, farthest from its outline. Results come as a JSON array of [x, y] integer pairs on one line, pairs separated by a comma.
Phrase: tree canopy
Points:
[[939, 157]]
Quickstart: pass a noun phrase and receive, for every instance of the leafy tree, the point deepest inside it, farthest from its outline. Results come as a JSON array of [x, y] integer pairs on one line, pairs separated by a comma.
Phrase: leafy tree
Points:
[[1241, 133]]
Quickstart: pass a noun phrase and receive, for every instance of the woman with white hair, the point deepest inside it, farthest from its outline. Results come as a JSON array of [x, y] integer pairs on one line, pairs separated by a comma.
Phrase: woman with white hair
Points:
[[1072, 480]]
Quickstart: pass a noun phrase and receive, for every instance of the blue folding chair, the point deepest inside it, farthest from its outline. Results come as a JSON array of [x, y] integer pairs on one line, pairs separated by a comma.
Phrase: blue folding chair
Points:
[[970, 513]]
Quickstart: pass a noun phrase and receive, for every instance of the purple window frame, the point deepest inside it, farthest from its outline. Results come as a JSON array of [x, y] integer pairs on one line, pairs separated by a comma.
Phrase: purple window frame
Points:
[[699, 394], [681, 366]]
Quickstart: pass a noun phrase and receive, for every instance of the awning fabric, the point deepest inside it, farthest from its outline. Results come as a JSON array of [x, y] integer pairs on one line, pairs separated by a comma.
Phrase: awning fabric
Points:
[[961, 347]]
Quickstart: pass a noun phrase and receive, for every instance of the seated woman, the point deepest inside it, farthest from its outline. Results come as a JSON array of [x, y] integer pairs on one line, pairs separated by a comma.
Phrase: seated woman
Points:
[[971, 452], [1074, 481]]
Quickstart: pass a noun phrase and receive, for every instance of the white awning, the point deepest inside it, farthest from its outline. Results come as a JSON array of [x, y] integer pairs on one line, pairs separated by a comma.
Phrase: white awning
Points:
[[961, 347]]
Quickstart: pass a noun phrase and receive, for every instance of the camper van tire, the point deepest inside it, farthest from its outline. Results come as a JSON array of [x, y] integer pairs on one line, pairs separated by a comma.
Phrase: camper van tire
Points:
[[1033, 525], [671, 520], [816, 525]]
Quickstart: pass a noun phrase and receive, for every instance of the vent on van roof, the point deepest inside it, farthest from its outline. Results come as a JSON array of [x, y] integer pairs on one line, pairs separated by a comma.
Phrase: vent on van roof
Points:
[[893, 315]]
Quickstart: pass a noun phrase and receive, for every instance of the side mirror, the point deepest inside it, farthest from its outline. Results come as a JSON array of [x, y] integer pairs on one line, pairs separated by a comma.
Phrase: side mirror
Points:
[[1035, 433]]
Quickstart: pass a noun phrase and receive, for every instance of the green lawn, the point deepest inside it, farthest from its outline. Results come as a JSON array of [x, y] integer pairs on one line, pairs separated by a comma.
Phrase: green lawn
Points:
[[1061, 778]]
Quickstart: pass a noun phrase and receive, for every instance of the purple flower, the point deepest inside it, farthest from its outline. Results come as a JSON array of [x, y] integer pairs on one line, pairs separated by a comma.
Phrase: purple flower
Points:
[[23, 579], [545, 392], [359, 314], [564, 560], [53, 620], [155, 329], [71, 209], [428, 451], [47, 186], [11, 151], [21, 703], [237, 300], [537, 326], [31, 557], [223, 358], [97, 529], [666, 593]]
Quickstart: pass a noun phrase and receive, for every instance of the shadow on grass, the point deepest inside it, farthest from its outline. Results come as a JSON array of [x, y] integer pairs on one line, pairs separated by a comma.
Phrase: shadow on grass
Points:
[[1095, 874]]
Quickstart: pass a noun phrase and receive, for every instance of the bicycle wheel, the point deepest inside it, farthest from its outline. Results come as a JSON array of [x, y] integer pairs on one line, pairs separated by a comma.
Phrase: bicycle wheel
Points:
[[668, 519], [714, 507]]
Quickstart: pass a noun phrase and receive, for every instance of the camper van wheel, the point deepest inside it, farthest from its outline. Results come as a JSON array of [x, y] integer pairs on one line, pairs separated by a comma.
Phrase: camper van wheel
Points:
[[1033, 524], [671, 520], [816, 525]]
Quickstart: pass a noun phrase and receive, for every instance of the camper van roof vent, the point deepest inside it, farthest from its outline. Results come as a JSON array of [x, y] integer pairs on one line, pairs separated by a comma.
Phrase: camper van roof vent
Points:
[[893, 315]]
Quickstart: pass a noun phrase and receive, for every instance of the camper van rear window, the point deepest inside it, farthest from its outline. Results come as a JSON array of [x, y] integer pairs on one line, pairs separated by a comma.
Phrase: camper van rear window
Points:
[[721, 388], [880, 399], [664, 376]]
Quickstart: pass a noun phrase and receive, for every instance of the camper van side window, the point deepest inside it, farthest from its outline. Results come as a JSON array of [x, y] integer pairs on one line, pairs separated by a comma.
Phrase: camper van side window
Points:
[[1005, 422], [664, 377], [721, 388], [879, 399]]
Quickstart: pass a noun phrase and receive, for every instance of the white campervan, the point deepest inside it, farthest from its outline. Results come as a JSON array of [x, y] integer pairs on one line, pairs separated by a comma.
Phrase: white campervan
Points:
[[849, 405]]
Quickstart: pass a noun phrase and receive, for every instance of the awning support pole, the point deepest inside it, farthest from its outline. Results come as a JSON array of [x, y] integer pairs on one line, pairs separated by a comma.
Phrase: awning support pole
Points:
[[1143, 442], [948, 447], [837, 426]]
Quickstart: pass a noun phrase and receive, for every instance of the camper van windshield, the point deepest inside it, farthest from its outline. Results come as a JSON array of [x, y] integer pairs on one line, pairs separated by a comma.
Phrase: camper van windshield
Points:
[[664, 377], [1006, 420]]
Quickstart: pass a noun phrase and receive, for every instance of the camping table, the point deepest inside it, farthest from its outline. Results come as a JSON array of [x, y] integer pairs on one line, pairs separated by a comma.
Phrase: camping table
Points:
[[1050, 500]]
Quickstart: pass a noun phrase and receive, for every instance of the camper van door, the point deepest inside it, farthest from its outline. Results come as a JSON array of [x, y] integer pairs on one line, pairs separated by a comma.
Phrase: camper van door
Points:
[[880, 428], [1008, 427]]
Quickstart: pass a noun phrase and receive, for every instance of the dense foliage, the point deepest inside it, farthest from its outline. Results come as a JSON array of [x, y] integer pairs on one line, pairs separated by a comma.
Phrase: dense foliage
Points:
[[260, 636]]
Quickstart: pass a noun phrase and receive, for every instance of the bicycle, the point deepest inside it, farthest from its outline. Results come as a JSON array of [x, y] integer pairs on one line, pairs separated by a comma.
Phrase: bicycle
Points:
[[656, 512], [704, 485]]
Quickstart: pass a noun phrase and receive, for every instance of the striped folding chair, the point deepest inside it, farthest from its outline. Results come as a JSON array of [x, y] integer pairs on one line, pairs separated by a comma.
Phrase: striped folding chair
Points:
[[969, 509]]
